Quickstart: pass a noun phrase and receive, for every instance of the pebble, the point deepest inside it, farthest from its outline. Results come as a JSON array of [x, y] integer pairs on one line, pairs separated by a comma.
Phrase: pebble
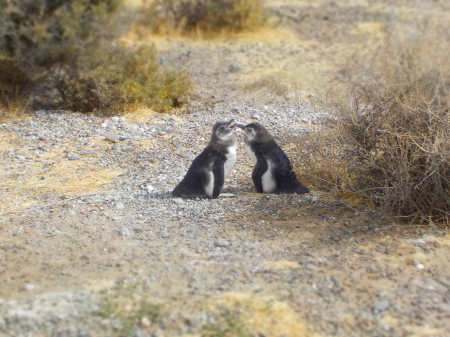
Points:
[[73, 156], [7, 246], [234, 67], [222, 243], [420, 266], [149, 188], [178, 201], [256, 116], [113, 138], [124, 232], [145, 322], [380, 306], [29, 286]]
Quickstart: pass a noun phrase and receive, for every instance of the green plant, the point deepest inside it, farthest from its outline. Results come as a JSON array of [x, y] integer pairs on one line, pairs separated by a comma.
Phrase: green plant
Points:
[[59, 55], [206, 15], [37, 37], [129, 305], [227, 324], [123, 80]]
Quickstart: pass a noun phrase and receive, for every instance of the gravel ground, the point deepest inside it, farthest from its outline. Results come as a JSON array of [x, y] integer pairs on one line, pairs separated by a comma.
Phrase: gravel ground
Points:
[[87, 203]]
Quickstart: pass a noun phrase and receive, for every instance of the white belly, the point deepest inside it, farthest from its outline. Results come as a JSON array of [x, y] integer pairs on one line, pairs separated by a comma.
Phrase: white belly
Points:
[[231, 159], [268, 182], [250, 153], [210, 186]]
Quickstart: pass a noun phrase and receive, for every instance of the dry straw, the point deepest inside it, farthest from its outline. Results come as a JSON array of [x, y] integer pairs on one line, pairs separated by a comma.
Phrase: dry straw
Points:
[[391, 142]]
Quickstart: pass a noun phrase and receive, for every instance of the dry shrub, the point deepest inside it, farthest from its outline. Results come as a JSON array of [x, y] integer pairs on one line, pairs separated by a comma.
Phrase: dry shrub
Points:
[[58, 55], [37, 35], [206, 16], [125, 79], [393, 129]]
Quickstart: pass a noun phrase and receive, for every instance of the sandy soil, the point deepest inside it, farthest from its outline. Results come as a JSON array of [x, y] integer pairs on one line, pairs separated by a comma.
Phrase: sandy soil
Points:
[[284, 265]]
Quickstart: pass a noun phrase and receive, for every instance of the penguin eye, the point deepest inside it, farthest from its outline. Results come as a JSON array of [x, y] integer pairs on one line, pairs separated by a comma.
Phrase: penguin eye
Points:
[[222, 128]]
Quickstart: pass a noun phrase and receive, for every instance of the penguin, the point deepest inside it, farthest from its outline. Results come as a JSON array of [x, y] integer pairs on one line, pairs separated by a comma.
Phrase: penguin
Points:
[[207, 173], [273, 172]]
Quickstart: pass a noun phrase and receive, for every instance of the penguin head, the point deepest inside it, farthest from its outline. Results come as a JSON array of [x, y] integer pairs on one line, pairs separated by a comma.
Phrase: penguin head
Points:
[[256, 132], [223, 130]]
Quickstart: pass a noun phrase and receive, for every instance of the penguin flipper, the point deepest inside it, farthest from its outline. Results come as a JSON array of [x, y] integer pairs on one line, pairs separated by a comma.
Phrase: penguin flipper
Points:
[[260, 168], [219, 177]]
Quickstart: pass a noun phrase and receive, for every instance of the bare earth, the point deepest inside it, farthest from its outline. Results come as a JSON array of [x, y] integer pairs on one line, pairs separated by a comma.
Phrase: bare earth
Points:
[[79, 213]]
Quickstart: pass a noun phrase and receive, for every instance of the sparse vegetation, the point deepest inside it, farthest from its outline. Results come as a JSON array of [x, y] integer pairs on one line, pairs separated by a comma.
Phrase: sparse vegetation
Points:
[[228, 324], [50, 55], [127, 78], [392, 142], [205, 16], [129, 305]]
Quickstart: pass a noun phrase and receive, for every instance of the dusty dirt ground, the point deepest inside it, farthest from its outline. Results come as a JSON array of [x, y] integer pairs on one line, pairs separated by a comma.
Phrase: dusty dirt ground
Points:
[[284, 265]]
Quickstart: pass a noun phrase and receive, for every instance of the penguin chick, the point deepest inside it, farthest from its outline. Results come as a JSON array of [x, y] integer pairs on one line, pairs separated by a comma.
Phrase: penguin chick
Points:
[[207, 173], [273, 172]]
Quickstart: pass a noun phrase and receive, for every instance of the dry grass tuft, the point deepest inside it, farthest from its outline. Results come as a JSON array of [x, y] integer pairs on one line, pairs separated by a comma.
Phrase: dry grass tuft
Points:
[[256, 314], [204, 16], [392, 136]]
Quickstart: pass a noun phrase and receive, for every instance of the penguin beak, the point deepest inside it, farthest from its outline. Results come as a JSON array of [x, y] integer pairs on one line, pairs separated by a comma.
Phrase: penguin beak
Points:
[[229, 125]]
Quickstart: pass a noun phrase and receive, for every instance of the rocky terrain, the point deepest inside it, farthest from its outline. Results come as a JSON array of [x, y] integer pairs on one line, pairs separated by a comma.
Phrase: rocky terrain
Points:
[[92, 243]]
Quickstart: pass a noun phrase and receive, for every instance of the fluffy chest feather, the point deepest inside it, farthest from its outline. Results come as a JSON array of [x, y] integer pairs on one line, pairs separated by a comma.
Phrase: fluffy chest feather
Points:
[[231, 159], [268, 182], [250, 153]]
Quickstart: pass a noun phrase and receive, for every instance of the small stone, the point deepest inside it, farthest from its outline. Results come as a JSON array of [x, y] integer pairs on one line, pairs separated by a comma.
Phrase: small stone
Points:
[[221, 243], [165, 235], [227, 195], [104, 125], [16, 234], [289, 96], [115, 147], [124, 232], [7, 246], [178, 201], [41, 148], [29, 286], [256, 116], [234, 67], [235, 110], [112, 138], [420, 266], [115, 119], [73, 156], [380, 306], [145, 322], [42, 138], [149, 188], [119, 205]]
